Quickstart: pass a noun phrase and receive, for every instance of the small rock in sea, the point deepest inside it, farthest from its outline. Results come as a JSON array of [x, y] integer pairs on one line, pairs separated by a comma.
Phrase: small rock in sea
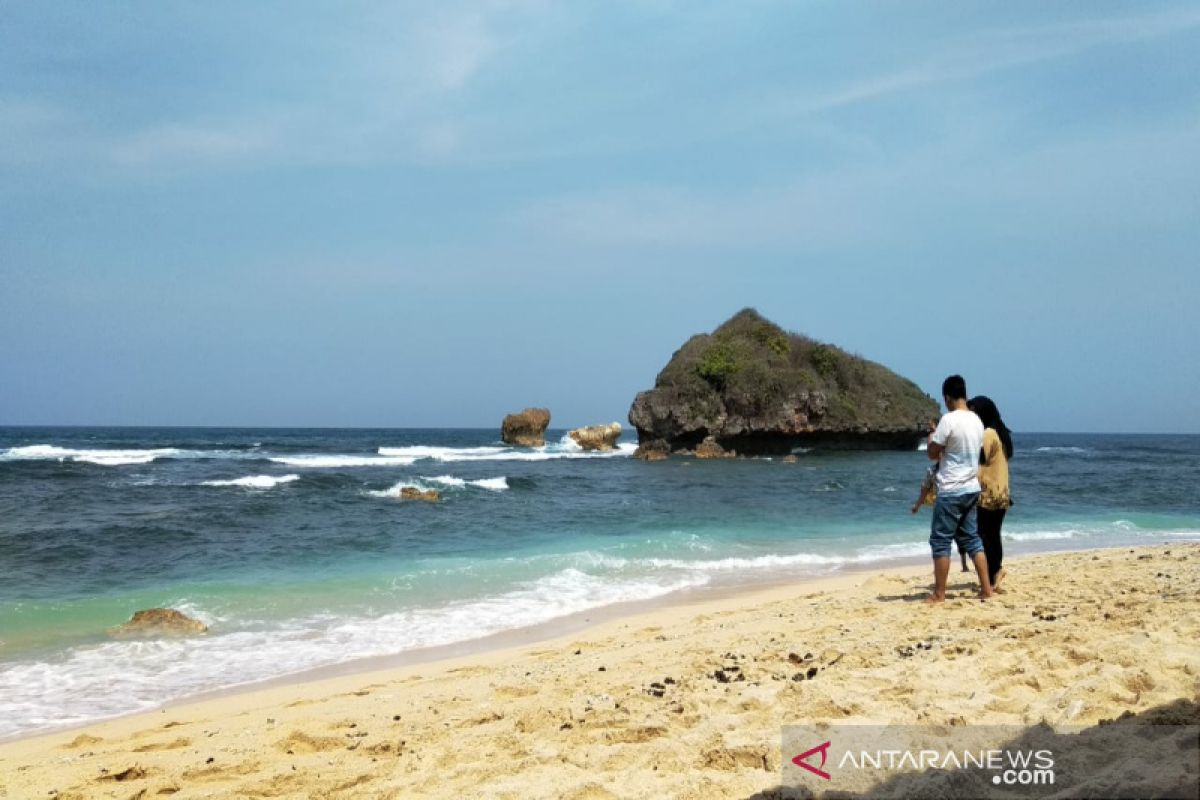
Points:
[[158, 622], [651, 453], [597, 437], [413, 493], [710, 448], [526, 428]]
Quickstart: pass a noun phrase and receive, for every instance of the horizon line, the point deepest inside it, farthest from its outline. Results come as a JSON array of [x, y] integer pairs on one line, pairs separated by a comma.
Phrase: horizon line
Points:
[[497, 427]]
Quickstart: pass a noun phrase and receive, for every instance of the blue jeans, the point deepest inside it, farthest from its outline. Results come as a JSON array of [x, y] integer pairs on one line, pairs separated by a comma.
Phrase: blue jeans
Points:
[[954, 521]]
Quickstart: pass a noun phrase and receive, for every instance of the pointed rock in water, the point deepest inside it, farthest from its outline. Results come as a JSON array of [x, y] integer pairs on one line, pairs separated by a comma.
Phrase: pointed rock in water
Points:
[[710, 449], [413, 493], [597, 437], [755, 389], [526, 428], [159, 622]]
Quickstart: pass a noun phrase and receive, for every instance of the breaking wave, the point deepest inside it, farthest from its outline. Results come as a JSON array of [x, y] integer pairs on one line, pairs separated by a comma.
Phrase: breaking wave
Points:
[[316, 461], [494, 484], [103, 680], [564, 448], [108, 458], [255, 481]]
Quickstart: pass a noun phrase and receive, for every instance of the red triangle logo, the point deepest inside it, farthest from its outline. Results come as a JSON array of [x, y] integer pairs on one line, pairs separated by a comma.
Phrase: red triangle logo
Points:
[[823, 749]]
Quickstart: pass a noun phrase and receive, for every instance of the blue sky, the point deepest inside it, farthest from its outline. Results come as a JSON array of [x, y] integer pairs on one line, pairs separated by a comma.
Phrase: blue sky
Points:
[[434, 213]]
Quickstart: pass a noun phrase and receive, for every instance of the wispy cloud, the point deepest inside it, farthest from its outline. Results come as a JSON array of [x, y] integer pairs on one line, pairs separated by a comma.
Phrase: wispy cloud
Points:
[[1081, 183], [997, 50]]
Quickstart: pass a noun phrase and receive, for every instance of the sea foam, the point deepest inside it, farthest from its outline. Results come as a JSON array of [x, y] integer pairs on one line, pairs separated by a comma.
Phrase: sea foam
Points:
[[108, 458], [565, 448], [102, 680], [318, 461], [255, 481], [494, 484]]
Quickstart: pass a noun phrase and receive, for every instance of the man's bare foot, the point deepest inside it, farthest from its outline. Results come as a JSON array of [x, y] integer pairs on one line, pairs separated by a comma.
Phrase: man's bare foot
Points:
[[985, 596], [933, 599]]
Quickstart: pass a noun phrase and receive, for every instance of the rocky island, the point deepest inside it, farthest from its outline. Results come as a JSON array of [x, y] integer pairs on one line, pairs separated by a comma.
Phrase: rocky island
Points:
[[752, 388]]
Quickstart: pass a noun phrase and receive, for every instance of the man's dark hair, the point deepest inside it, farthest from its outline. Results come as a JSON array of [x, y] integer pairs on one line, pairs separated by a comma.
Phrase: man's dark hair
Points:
[[955, 387]]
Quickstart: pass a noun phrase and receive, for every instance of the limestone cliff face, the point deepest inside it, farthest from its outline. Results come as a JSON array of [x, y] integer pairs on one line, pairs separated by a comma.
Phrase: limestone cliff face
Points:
[[752, 388]]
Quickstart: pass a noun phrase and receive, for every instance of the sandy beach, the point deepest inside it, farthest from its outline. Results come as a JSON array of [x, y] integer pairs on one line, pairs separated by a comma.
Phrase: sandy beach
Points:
[[682, 701]]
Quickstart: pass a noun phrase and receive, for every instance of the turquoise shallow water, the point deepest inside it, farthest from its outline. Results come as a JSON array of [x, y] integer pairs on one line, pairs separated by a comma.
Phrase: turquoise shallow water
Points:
[[294, 547]]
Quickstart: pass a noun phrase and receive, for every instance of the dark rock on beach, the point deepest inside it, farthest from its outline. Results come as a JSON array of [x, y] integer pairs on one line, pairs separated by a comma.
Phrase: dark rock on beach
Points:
[[751, 388], [526, 428]]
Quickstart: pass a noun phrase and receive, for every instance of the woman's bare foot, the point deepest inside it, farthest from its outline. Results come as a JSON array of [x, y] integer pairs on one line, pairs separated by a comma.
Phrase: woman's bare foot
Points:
[[999, 577]]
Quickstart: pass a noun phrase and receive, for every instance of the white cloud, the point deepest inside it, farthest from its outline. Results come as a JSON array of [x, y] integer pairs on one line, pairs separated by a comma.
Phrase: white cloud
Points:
[[1131, 179], [1002, 49], [455, 47], [188, 144]]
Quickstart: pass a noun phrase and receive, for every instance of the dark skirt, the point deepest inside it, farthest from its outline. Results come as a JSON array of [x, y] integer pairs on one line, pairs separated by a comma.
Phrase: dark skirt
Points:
[[990, 522]]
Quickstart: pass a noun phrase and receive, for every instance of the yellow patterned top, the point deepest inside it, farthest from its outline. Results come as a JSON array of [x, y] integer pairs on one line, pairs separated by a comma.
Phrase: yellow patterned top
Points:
[[993, 476]]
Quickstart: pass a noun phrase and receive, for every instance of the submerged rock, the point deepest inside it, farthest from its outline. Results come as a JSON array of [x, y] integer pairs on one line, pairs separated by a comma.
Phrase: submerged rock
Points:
[[413, 493], [597, 437], [526, 428], [752, 388], [159, 622]]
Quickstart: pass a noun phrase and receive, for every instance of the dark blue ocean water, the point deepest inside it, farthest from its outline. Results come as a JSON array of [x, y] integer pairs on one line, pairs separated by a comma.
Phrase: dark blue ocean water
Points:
[[294, 547]]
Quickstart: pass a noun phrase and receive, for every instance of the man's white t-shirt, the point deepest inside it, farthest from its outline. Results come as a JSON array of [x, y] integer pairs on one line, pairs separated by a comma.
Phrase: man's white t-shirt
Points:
[[961, 433]]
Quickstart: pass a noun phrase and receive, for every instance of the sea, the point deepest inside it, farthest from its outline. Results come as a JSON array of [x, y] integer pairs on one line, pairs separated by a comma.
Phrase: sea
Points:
[[294, 546]]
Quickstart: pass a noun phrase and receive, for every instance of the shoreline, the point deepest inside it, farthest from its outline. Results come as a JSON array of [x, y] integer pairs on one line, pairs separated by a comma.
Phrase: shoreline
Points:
[[545, 632], [505, 641], [592, 704]]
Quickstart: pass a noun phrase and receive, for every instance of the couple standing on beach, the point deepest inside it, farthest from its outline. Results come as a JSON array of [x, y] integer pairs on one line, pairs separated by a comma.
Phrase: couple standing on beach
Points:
[[972, 446]]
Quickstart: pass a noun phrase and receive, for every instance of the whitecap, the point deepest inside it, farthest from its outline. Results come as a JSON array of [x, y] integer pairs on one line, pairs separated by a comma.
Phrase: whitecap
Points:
[[565, 448], [318, 461], [395, 490], [108, 458], [494, 484], [255, 481]]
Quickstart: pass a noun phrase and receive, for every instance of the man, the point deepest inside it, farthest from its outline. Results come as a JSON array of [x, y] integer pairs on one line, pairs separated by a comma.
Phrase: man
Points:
[[955, 444]]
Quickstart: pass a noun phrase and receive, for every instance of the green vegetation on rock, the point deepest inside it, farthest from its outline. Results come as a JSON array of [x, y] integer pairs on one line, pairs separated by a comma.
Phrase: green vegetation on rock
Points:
[[753, 385]]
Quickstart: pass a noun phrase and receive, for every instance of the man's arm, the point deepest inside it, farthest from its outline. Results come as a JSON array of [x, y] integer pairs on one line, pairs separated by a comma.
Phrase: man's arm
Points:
[[934, 450]]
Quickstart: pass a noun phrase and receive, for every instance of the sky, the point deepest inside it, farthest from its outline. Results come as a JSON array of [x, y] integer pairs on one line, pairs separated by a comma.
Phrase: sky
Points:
[[433, 214]]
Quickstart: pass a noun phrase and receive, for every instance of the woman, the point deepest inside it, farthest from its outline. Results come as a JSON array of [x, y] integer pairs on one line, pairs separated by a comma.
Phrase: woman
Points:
[[994, 499]]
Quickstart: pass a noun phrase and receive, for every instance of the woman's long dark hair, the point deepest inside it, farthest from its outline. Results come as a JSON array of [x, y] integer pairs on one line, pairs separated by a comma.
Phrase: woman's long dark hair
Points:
[[986, 410]]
